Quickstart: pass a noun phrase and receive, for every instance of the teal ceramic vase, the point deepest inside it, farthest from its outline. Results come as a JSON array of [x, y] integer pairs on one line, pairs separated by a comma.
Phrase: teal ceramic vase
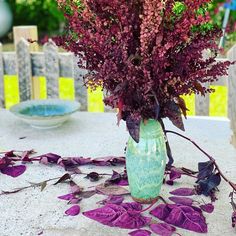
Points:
[[146, 161]]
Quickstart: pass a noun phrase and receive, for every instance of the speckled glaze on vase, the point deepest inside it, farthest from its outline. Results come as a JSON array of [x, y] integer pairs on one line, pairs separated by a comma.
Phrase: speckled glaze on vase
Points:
[[146, 161]]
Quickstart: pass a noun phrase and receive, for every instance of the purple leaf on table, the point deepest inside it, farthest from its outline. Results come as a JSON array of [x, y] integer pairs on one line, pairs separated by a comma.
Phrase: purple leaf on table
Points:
[[183, 192], [115, 178], [123, 182], [174, 174], [207, 186], [163, 229], [14, 171], [111, 190], [119, 179], [209, 208], [67, 197], [113, 200], [233, 218], [63, 179], [108, 160], [93, 176], [72, 162], [131, 220], [73, 211], [10, 154], [205, 169], [182, 200], [25, 157], [136, 206], [87, 194], [49, 158], [181, 216], [118, 216], [4, 162], [140, 232], [74, 200], [74, 188]]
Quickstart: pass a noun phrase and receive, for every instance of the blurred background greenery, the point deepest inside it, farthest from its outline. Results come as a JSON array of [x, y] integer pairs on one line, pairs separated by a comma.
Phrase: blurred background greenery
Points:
[[43, 13], [50, 20]]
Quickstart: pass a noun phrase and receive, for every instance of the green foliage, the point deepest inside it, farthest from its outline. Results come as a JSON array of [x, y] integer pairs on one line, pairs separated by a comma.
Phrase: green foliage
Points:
[[43, 13], [217, 12]]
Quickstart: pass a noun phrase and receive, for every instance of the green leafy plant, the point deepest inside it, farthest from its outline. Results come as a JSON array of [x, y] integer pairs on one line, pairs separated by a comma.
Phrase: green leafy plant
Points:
[[43, 13]]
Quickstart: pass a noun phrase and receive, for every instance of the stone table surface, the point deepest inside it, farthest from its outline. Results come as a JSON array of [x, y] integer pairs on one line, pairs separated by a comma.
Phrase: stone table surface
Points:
[[31, 212]]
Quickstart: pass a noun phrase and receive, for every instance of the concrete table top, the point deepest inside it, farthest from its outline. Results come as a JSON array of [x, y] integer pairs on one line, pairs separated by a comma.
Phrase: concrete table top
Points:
[[94, 135]]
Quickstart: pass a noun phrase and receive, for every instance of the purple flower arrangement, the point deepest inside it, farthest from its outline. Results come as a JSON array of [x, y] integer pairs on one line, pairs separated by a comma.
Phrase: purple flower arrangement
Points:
[[146, 54]]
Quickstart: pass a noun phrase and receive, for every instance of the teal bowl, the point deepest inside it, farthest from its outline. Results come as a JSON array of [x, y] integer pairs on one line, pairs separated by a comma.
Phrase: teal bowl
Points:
[[45, 114]]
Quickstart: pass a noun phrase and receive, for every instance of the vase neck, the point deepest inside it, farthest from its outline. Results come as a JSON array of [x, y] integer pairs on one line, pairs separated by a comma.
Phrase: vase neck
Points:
[[150, 129]]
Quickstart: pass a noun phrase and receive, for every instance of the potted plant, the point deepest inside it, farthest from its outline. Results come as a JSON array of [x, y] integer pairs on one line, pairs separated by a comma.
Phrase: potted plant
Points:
[[146, 54]]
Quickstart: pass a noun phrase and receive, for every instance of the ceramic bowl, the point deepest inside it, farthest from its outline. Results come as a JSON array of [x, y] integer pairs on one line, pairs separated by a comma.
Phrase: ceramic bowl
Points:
[[45, 114]]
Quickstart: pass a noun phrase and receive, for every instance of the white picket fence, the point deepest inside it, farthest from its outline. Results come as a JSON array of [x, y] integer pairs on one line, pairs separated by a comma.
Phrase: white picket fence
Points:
[[49, 63]]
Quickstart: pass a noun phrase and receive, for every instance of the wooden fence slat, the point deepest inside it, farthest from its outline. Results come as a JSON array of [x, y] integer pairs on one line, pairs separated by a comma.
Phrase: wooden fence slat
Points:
[[2, 95], [9, 63], [222, 81], [232, 93], [80, 90], [24, 69], [52, 72], [202, 104], [37, 60], [66, 64]]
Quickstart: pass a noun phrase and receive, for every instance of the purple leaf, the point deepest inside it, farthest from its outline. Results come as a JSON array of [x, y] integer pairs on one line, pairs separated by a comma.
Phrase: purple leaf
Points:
[[140, 232], [209, 208], [123, 182], [115, 178], [87, 194], [49, 157], [14, 171], [74, 188], [205, 169], [25, 156], [174, 174], [4, 162], [131, 220], [63, 179], [133, 127], [113, 200], [109, 160], [118, 216], [111, 190], [174, 114], [208, 185], [233, 218], [163, 229], [10, 154], [93, 176], [74, 200], [132, 206], [182, 200], [183, 192], [73, 211], [67, 197], [119, 179], [72, 162], [184, 217]]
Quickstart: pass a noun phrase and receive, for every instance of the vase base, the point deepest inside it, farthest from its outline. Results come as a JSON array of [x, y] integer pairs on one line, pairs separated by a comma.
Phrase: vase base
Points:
[[145, 201]]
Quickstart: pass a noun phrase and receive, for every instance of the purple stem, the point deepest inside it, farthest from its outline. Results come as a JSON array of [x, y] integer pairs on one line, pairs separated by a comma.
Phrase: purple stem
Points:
[[206, 154]]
